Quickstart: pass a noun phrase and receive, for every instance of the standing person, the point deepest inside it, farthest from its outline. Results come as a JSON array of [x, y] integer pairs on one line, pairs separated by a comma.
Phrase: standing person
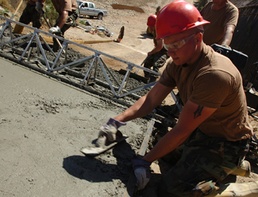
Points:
[[213, 126], [31, 13], [158, 56], [67, 10], [151, 22], [223, 16]]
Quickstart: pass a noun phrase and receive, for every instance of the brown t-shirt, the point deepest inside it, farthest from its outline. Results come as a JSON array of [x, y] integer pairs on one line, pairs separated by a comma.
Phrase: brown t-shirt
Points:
[[213, 81], [61, 5], [219, 19]]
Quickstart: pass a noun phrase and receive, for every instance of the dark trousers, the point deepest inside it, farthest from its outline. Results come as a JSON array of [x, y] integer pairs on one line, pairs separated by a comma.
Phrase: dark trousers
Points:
[[155, 61], [30, 14]]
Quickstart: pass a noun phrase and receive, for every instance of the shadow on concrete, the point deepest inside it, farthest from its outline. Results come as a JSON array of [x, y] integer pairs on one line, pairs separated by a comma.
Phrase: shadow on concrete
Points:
[[97, 169]]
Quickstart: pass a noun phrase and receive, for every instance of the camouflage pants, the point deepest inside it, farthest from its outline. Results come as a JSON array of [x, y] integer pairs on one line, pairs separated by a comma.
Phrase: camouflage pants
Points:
[[202, 160], [30, 14], [155, 61]]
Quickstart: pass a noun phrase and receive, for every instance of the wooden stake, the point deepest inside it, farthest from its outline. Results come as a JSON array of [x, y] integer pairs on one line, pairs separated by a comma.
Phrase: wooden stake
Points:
[[18, 7]]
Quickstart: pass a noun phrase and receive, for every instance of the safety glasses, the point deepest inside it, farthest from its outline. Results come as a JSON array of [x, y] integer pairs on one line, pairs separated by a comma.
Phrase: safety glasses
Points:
[[174, 46]]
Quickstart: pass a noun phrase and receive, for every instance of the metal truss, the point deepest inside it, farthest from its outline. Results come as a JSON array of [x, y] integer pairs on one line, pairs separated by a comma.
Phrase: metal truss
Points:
[[33, 51], [59, 62]]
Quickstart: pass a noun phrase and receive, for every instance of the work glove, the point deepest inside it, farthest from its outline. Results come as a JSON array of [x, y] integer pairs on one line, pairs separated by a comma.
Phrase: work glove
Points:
[[142, 172], [39, 8], [109, 132], [55, 30]]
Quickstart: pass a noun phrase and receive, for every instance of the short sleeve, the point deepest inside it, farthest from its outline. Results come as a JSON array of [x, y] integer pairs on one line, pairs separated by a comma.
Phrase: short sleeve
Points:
[[232, 17], [167, 78], [211, 89]]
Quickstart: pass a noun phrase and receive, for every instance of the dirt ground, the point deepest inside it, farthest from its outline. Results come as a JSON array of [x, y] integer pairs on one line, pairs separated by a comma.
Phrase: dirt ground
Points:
[[44, 122]]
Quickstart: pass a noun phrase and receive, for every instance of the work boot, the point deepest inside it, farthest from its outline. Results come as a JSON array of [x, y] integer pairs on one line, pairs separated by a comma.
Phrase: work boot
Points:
[[244, 169]]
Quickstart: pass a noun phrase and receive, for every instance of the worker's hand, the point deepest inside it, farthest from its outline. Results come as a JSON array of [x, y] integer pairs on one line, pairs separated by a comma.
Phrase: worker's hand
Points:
[[55, 30], [39, 8], [109, 131], [142, 173], [226, 46]]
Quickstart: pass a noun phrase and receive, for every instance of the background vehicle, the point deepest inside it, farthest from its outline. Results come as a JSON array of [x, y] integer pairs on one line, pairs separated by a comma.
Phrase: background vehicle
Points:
[[87, 8]]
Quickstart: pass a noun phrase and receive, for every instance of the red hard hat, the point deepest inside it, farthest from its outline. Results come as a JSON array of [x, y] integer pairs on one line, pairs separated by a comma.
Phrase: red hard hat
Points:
[[176, 17], [152, 20]]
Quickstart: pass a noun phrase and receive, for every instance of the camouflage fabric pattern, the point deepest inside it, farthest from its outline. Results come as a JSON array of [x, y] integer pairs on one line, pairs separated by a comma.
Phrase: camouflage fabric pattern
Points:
[[202, 161], [155, 61]]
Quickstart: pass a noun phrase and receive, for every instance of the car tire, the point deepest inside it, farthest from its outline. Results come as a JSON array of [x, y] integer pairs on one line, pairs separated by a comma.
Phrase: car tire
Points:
[[100, 16]]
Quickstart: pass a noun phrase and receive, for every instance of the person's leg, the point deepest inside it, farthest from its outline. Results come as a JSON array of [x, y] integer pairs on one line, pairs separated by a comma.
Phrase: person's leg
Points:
[[24, 18], [35, 15], [202, 164], [26, 14], [182, 178], [159, 61], [70, 22]]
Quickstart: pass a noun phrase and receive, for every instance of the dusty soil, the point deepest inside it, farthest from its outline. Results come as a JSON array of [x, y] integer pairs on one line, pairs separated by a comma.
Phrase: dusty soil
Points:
[[44, 122]]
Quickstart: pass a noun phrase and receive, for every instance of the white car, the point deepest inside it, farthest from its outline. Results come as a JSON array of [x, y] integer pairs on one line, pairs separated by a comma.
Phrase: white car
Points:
[[87, 8]]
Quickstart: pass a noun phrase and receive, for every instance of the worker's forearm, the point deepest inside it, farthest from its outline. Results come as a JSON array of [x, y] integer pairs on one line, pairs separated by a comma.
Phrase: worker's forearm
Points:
[[140, 109], [228, 35], [157, 48], [227, 40], [165, 145], [145, 104]]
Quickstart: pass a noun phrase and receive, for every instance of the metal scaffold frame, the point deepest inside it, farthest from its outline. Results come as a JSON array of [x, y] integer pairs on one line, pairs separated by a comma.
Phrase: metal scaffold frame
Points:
[[35, 41]]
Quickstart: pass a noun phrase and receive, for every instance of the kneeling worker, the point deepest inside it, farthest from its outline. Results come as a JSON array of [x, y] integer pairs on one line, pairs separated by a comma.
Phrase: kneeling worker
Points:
[[213, 125]]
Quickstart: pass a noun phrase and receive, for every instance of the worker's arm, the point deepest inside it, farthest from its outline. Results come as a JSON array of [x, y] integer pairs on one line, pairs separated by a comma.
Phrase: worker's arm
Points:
[[157, 48], [145, 104], [190, 118], [228, 35]]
